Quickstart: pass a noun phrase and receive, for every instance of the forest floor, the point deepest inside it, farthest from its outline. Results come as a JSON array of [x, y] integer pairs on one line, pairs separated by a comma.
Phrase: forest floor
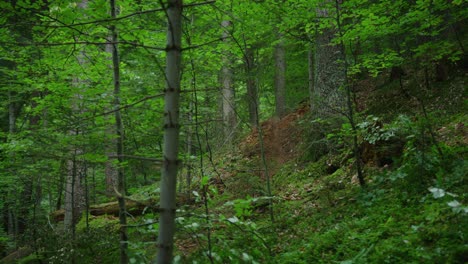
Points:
[[413, 208]]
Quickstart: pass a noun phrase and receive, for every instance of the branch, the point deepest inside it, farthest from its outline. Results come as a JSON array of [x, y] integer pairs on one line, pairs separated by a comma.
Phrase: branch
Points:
[[204, 44], [135, 157], [201, 3], [129, 105], [112, 19], [126, 16], [52, 44]]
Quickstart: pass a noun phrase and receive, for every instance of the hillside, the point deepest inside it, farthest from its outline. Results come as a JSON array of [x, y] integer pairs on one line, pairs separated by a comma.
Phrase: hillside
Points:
[[412, 210], [202, 131]]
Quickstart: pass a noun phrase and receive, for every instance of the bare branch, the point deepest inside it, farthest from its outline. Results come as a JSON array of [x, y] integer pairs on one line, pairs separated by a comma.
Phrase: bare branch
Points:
[[130, 105], [204, 44], [135, 157], [52, 44], [199, 4]]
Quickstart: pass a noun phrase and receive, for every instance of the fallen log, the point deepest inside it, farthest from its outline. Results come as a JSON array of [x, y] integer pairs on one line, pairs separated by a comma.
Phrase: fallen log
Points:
[[133, 207], [17, 254]]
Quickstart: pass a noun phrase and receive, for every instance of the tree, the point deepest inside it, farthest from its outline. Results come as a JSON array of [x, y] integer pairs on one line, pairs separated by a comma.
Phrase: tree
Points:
[[280, 77], [328, 97], [171, 132], [74, 192], [228, 94], [119, 138], [252, 93]]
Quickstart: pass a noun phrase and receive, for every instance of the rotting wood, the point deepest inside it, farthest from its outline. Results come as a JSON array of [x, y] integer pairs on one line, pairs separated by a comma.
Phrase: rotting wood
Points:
[[134, 207]]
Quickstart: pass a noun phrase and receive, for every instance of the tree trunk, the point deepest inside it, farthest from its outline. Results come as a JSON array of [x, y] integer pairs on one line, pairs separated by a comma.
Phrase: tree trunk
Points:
[[329, 96], [119, 140], [171, 134], [349, 104], [311, 70], [280, 78], [76, 168], [73, 193], [11, 230], [252, 95], [228, 93]]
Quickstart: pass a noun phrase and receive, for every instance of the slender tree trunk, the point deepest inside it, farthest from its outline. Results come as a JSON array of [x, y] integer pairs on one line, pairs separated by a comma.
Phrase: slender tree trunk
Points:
[[11, 222], [73, 182], [61, 184], [119, 139], [12, 231], [11, 113], [252, 94], [228, 93], [349, 104], [73, 193], [171, 133], [280, 77], [190, 150], [311, 70]]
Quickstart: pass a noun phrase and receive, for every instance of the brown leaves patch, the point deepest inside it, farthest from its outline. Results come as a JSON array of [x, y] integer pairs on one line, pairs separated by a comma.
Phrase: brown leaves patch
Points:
[[280, 138]]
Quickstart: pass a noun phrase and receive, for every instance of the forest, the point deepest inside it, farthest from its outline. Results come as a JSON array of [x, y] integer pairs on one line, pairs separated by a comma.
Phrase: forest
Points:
[[233, 131]]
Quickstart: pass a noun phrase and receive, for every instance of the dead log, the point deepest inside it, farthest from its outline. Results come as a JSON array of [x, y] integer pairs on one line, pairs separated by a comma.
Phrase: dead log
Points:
[[134, 207], [17, 254], [112, 208]]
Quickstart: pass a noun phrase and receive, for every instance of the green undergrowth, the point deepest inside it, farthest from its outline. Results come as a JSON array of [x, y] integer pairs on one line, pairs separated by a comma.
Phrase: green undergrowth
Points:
[[413, 208], [379, 224], [414, 211]]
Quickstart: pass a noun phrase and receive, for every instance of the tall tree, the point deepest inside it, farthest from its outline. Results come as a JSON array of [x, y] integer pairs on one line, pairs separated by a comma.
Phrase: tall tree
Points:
[[119, 138], [228, 93], [328, 97], [280, 77], [252, 93], [171, 133], [74, 193]]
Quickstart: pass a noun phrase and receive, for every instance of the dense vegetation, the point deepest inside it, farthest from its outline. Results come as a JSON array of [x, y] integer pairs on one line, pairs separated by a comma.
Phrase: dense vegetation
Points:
[[308, 131]]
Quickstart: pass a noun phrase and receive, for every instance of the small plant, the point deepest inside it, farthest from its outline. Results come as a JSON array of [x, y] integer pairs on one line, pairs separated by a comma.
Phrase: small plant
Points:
[[373, 130]]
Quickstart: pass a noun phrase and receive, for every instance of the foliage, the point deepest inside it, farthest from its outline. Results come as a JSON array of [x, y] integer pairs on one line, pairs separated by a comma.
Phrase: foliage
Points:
[[407, 71]]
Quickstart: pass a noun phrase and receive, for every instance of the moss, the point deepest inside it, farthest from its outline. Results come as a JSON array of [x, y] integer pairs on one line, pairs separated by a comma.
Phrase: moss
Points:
[[107, 222]]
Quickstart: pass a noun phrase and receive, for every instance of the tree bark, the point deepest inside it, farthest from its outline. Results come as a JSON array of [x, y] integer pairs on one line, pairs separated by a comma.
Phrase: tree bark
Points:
[[12, 219], [252, 95], [228, 93], [311, 71], [119, 139], [73, 192], [349, 104], [329, 96], [76, 168], [171, 133], [280, 78]]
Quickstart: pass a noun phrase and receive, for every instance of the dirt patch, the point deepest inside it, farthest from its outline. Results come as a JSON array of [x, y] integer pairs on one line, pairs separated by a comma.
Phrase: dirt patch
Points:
[[281, 138]]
